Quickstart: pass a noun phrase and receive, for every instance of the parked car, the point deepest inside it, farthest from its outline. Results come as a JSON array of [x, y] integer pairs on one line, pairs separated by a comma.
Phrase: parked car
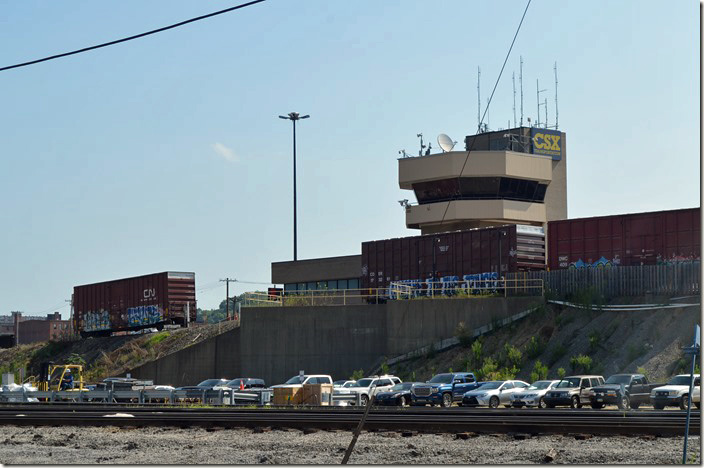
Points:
[[675, 393], [243, 382], [494, 393], [343, 383], [696, 396], [444, 389], [572, 391], [623, 390], [534, 394], [369, 386], [196, 391], [398, 395], [300, 380]]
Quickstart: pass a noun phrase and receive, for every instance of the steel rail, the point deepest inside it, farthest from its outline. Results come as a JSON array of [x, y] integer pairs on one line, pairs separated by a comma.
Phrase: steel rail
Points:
[[663, 423]]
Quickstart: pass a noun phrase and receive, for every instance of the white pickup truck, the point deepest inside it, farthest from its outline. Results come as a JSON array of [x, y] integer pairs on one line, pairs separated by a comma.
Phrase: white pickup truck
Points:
[[676, 392]]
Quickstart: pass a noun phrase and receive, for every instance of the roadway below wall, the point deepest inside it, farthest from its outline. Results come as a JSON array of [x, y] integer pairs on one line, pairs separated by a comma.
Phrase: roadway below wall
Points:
[[274, 343]]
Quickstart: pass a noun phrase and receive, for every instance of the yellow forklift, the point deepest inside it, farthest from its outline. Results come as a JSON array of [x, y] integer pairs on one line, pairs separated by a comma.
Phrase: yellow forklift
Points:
[[56, 377]]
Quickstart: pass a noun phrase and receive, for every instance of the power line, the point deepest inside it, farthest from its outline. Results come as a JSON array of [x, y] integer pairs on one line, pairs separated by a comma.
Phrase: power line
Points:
[[137, 36], [469, 150]]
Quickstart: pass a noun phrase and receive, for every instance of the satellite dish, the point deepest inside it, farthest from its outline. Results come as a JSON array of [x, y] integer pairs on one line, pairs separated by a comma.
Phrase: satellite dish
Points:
[[446, 143]]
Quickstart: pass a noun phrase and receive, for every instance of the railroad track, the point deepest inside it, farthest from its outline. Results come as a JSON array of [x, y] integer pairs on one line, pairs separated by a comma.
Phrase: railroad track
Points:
[[484, 420]]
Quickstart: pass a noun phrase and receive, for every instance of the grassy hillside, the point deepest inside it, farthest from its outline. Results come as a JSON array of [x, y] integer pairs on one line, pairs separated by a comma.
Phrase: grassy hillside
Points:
[[556, 340], [106, 357]]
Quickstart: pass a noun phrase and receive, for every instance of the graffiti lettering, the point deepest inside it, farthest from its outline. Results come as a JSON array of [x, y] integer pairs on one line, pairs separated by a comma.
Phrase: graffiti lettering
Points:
[[144, 315], [94, 321]]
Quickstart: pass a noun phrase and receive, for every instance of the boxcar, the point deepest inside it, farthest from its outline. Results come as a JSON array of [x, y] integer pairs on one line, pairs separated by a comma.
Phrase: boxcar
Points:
[[492, 252], [135, 303], [651, 238]]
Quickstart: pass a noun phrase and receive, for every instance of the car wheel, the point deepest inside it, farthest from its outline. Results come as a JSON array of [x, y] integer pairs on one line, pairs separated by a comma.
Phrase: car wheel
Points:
[[574, 402], [635, 405], [494, 402], [684, 402], [597, 405], [404, 401], [446, 400], [624, 402], [541, 403], [364, 400], [658, 406]]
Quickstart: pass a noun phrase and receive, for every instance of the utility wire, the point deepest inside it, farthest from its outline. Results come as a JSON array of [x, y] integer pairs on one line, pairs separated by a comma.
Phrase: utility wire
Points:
[[469, 150], [86, 49]]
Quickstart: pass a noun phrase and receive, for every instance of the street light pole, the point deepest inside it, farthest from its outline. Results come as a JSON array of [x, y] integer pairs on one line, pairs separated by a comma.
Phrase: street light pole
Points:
[[293, 117]]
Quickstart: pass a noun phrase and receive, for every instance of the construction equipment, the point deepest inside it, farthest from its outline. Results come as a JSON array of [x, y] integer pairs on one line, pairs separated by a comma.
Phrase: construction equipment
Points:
[[56, 377]]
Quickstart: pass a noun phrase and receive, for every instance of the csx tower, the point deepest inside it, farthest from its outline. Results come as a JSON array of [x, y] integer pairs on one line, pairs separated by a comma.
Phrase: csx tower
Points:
[[516, 176]]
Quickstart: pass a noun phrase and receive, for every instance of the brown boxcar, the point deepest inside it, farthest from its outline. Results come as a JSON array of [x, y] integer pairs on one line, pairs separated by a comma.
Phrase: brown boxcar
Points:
[[632, 239], [135, 303], [458, 253]]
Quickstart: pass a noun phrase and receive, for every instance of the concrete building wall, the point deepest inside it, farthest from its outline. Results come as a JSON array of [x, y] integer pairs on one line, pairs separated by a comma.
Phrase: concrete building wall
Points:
[[556, 193], [275, 343]]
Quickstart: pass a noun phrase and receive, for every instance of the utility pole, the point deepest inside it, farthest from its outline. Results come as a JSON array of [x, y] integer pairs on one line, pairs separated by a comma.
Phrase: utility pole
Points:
[[227, 296]]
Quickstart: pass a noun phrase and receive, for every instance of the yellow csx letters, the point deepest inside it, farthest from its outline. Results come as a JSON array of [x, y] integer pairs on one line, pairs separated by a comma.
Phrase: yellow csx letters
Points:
[[546, 142]]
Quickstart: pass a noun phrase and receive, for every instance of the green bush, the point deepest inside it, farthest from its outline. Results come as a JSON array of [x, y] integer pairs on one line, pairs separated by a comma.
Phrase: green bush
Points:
[[384, 367], [594, 340], [463, 335], [561, 373], [156, 339], [535, 347], [76, 359], [540, 371], [641, 370], [487, 370], [477, 352], [581, 362], [513, 356], [358, 374], [557, 353]]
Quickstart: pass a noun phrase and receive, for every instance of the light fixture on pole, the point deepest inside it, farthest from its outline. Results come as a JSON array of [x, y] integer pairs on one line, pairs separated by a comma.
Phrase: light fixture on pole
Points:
[[293, 117]]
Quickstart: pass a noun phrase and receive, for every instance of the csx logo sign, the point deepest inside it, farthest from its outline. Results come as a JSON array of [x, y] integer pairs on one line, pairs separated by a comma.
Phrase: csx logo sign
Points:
[[546, 142]]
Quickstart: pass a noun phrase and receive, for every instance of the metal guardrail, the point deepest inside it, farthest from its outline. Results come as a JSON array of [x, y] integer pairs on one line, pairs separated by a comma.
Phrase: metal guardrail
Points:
[[145, 396], [460, 288], [214, 397]]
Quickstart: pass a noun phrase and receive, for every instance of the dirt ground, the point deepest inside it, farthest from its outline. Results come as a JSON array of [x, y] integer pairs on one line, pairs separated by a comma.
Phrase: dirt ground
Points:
[[173, 446]]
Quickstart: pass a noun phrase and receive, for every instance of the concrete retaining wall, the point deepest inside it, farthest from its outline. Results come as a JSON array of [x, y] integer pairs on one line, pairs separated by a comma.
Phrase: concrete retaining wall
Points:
[[274, 343]]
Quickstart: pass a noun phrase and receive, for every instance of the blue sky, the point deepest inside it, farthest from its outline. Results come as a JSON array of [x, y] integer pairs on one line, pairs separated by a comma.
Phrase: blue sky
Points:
[[166, 153]]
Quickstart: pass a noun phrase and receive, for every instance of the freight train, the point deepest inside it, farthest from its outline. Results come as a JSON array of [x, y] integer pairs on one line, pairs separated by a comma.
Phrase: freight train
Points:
[[652, 238], [149, 301]]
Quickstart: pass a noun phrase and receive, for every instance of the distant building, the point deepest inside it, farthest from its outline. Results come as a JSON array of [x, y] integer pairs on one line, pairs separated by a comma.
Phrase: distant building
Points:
[[17, 329]]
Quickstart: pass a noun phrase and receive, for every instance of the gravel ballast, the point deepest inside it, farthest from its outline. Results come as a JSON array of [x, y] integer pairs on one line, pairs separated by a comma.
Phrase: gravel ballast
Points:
[[173, 446]]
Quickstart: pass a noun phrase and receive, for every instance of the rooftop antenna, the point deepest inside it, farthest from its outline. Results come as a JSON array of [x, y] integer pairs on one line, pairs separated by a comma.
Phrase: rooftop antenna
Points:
[[538, 91], [403, 152], [422, 146], [520, 79], [556, 115], [514, 99], [487, 125], [479, 102], [546, 112]]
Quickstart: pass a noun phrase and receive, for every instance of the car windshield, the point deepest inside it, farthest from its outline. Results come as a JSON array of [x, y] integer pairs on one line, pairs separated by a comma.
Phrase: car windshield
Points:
[[680, 380], [296, 379], [489, 385], [349, 384], [339, 382], [539, 385], [362, 383], [441, 378], [619, 379], [209, 383], [568, 383]]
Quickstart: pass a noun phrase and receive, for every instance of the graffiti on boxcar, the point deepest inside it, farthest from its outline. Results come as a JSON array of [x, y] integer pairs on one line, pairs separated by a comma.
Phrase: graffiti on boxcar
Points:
[[144, 315], [95, 321], [445, 285], [603, 262], [676, 259]]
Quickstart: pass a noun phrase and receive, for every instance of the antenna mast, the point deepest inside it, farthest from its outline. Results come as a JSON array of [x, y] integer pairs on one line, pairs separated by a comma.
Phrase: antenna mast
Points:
[[520, 79], [538, 91], [556, 115], [514, 99], [479, 102]]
